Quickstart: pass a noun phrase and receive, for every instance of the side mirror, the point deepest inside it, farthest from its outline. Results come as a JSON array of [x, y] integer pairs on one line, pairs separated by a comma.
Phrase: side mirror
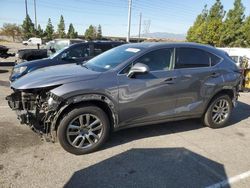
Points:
[[138, 68]]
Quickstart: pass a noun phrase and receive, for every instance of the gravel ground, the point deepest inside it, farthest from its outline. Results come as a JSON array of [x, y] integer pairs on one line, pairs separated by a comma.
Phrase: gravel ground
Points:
[[178, 154]]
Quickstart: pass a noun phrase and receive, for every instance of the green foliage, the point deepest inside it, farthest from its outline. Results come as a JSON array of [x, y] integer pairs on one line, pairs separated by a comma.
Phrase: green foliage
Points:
[[28, 29], [210, 27], [196, 32], [11, 30], [90, 33], [71, 32], [232, 34], [39, 32], [99, 32], [49, 31], [214, 24], [246, 32], [61, 28]]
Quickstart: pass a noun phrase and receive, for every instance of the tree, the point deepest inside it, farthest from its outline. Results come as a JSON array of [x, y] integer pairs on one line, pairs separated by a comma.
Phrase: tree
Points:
[[196, 32], [232, 34], [71, 32], [99, 32], [11, 30], [39, 31], [90, 33], [246, 32], [49, 31], [214, 24], [61, 28], [28, 29]]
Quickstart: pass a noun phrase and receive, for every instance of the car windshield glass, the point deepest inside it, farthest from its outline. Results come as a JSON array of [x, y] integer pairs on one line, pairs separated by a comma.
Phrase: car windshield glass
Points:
[[111, 58], [58, 52]]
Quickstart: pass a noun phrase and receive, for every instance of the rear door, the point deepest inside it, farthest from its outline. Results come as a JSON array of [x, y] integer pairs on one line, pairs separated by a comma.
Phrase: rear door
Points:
[[197, 75]]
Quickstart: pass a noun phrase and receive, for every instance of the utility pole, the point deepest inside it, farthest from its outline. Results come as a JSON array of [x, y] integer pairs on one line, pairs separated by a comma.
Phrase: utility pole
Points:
[[26, 8], [35, 14], [139, 36], [129, 18]]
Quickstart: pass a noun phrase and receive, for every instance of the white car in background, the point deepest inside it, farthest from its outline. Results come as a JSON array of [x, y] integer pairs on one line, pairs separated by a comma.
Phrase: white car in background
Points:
[[33, 41]]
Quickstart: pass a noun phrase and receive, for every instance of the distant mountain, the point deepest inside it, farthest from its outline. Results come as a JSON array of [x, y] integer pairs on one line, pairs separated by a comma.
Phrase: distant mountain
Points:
[[164, 35]]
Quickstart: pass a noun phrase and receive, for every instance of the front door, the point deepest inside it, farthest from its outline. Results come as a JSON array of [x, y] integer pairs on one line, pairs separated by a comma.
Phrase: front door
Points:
[[149, 97]]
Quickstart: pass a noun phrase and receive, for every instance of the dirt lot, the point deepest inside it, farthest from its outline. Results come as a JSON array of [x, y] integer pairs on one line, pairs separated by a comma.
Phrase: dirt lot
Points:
[[180, 154]]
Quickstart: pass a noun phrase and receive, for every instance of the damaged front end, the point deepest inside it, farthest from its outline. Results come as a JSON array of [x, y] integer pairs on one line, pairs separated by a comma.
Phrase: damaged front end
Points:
[[37, 109]]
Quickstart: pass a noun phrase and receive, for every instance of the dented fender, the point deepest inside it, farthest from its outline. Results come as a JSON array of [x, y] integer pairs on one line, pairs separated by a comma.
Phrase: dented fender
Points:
[[86, 98]]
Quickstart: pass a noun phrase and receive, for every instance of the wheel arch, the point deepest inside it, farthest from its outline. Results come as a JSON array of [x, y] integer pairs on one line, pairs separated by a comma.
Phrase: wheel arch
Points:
[[229, 92], [98, 100]]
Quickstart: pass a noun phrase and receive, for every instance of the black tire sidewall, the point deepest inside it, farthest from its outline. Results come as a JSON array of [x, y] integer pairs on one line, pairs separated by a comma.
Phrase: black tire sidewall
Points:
[[73, 114], [208, 116]]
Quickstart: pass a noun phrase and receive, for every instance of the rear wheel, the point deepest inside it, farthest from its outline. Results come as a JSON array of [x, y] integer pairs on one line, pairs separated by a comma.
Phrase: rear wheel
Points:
[[218, 112], [83, 130]]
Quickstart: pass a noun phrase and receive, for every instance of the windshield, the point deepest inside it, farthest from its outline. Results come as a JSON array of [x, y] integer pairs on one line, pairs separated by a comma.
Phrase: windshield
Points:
[[111, 58], [58, 52]]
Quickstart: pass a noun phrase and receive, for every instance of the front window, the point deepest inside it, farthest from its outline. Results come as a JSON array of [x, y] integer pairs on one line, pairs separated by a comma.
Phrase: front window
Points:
[[157, 60], [111, 58]]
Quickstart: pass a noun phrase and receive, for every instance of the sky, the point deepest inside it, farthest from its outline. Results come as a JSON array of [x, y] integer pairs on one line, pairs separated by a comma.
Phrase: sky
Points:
[[172, 16]]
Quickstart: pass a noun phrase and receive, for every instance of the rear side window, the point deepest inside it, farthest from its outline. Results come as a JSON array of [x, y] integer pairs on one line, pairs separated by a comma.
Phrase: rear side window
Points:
[[214, 60], [191, 58]]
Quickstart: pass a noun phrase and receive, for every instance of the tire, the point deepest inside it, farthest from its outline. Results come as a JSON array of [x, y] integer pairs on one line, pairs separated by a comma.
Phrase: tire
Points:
[[211, 120], [87, 130]]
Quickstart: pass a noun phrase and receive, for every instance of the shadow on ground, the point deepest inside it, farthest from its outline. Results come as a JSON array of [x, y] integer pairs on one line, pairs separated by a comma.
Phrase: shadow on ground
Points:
[[166, 167], [3, 71], [7, 64]]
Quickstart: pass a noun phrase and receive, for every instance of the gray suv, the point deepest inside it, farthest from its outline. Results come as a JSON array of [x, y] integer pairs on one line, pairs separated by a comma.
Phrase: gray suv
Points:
[[130, 85]]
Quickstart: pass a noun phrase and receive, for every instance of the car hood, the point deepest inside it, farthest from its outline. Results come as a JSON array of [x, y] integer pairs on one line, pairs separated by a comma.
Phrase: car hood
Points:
[[53, 76], [36, 63]]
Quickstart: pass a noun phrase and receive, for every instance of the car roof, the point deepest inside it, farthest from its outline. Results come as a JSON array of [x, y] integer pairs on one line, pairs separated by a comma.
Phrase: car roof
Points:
[[98, 42], [152, 45]]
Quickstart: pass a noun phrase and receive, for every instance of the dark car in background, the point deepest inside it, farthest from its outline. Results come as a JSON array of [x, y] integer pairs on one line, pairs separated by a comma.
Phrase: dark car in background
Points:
[[75, 53], [130, 85]]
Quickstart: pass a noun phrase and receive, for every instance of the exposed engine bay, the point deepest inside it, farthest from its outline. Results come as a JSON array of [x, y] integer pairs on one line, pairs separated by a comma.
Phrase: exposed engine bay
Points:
[[35, 108]]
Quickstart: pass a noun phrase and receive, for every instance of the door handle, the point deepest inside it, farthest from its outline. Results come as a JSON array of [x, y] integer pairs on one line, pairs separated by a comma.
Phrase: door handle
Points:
[[170, 80], [215, 75]]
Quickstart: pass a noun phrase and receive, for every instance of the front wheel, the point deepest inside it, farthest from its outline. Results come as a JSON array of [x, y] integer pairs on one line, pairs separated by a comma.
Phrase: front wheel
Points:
[[83, 130], [218, 112]]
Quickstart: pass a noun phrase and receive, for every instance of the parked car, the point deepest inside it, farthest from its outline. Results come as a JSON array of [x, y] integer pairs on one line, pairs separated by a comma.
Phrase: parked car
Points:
[[49, 49], [75, 53], [4, 52], [33, 41], [127, 86]]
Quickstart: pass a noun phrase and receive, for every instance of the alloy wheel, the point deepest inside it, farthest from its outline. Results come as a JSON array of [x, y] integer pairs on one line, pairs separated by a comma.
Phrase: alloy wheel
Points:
[[84, 131]]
